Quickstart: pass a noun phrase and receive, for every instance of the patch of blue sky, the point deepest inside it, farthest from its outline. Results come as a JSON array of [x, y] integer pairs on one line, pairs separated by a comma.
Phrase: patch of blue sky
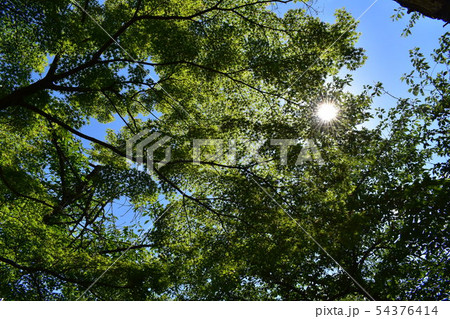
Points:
[[387, 51]]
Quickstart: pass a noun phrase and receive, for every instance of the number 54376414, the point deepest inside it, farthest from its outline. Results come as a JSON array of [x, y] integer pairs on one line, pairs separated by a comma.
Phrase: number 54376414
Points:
[[406, 310]]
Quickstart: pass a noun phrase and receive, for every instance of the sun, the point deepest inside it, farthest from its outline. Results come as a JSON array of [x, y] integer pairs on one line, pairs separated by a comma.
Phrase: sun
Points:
[[327, 111]]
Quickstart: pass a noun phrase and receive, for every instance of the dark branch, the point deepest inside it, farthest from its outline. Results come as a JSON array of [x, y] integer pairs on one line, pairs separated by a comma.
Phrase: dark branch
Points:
[[14, 191]]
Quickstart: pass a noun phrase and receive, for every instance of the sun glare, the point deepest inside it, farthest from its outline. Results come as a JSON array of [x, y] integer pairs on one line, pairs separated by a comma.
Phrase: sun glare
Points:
[[327, 112]]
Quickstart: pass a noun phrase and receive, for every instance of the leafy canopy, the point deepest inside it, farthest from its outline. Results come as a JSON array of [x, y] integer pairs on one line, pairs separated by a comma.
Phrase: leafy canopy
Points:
[[255, 229]]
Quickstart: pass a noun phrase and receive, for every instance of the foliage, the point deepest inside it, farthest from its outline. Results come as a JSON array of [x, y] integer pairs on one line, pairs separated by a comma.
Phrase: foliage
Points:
[[253, 230]]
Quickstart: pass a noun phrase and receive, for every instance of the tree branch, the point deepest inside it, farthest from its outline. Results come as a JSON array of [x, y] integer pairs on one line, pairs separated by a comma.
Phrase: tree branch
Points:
[[13, 190]]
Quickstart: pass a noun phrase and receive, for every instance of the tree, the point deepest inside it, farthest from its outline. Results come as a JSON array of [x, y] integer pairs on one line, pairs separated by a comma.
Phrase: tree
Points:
[[369, 220], [436, 9]]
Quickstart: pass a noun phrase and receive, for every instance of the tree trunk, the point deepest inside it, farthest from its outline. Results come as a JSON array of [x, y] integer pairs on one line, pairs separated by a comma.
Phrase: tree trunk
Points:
[[436, 9]]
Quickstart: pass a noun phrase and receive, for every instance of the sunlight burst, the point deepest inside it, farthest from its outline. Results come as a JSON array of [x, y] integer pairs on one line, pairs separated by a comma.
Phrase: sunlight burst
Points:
[[327, 111]]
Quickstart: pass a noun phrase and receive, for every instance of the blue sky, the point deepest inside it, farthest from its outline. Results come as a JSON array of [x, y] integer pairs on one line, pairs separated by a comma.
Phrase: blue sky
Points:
[[387, 51]]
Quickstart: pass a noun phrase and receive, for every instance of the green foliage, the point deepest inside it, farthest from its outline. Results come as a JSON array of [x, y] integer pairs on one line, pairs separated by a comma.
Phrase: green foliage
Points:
[[229, 70]]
